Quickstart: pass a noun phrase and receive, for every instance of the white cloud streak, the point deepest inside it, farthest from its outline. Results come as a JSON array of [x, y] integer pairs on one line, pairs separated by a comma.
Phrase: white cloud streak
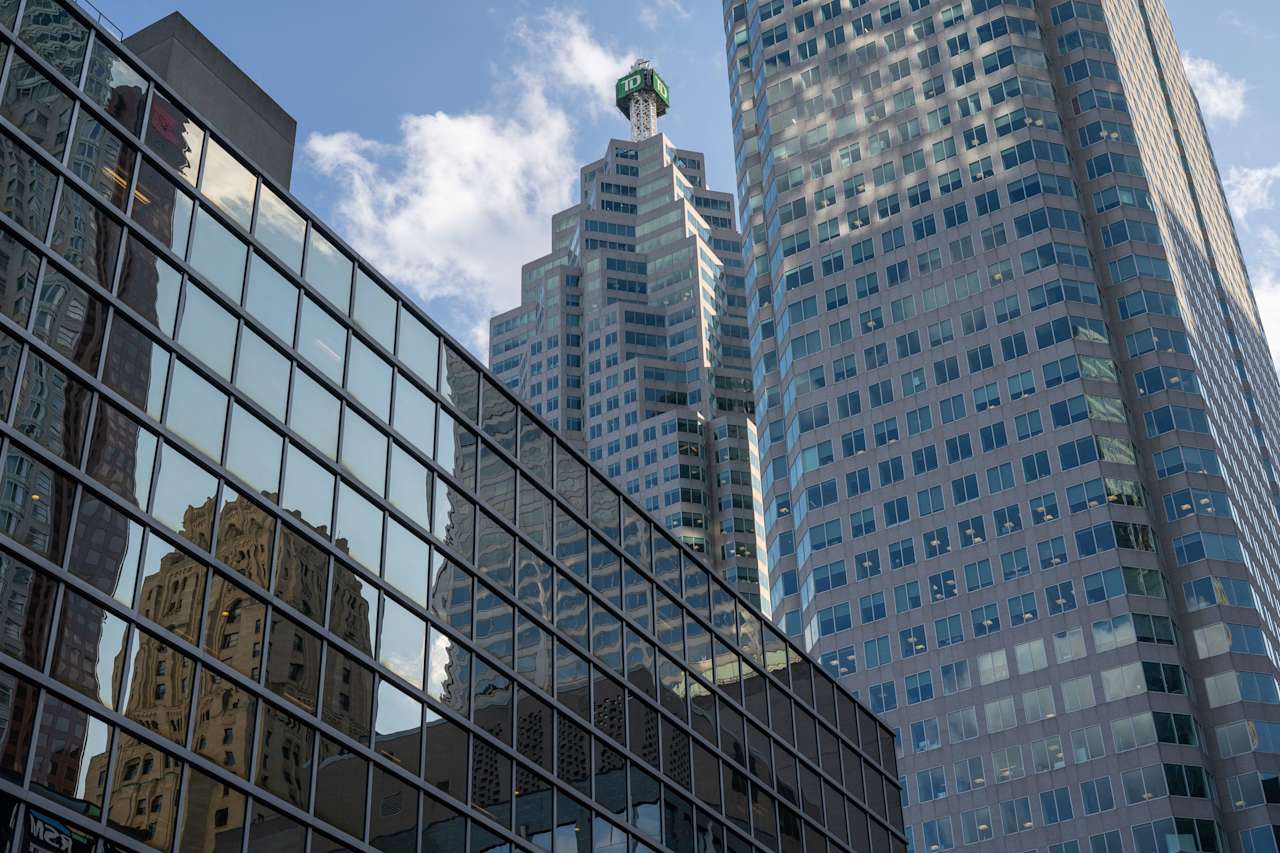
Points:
[[1222, 97], [452, 208], [1249, 190]]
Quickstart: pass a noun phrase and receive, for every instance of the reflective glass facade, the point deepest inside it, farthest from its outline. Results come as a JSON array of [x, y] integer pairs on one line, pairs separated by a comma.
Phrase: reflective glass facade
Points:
[[1019, 477], [282, 568]]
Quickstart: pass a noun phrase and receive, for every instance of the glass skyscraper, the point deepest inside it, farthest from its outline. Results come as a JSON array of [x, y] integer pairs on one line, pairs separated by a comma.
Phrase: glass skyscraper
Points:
[[1017, 414], [631, 338], [283, 568]]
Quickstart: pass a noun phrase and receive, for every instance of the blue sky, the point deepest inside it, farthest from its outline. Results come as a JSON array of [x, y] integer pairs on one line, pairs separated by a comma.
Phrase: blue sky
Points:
[[439, 137]]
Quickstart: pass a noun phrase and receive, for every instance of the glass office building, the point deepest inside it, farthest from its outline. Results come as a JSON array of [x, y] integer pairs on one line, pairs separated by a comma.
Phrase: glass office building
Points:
[[283, 568], [1017, 413], [631, 338]]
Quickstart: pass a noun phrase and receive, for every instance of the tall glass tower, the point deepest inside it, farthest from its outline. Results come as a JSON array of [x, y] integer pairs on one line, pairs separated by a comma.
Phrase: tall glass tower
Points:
[[631, 338], [1017, 414], [283, 568]]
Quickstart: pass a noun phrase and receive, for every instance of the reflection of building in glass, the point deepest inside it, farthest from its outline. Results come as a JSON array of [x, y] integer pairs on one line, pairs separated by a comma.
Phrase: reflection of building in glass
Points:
[[282, 567]]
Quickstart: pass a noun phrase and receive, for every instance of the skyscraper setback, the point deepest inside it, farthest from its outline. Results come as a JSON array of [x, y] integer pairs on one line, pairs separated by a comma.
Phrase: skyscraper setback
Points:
[[631, 338], [1017, 416]]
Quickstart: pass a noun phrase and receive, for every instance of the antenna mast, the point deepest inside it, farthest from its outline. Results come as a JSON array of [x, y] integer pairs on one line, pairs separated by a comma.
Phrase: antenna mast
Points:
[[642, 97]]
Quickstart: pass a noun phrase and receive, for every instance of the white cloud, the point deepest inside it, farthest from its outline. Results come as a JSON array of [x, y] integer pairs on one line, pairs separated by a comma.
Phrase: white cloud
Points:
[[1222, 97], [452, 209], [1264, 273], [654, 13], [1249, 190]]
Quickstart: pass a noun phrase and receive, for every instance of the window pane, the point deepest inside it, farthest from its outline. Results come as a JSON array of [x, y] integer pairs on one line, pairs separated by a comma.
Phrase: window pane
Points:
[[263, 373], [329, 271], [208, 330], [314, 413], [402, 643], [181, 486], [150, 285], [37, 106], [364, 450], [280, 228], [162, 209], [359, 527], [308, 490], [375, 310], [253, 451], [218, 255], [31, 208], [419, 347], [228, 184], [272, 299], [174, 137], [369, 379], [322, 340], [86, 236], [197, 410]]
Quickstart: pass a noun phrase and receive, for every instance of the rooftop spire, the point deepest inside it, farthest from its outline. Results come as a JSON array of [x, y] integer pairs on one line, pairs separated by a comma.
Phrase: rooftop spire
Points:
[[642, 97]]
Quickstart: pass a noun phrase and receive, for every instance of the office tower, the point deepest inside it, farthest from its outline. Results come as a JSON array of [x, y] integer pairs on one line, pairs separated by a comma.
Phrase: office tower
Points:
[[283, 568], [631, 339], [1017, 414]]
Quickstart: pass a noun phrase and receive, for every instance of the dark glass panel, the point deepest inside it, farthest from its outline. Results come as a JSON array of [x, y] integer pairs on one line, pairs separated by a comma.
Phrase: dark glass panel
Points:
[[450, 594], [86, 236], [533, 582], [573, 826], [497, 484], [353, 610], [533, 817], [637, 597], [780, 707], [150, 285], [446, 741], [666, 562], [811, 793], [669, 623], [640, 665], [37, 106], [611, 780], [55, 35], [785, 769], [18, 699], [136, 367], [70, 761], [533, 654], [398, 735], [293, 664], [642, 722], [604, 507], [491, 782], [284, 757], [493, 701], [162, 209], [535, 449], [534, 517], [443, 828], [494, 553], [571, 479], [225, 717], [535, 730], [174, 137], [460, 383], [573, 681], [302, 569], [573, 754], [498, 417], [161, 681], [393, 813], [42, 519], [571, 544], [675, 753], [341, 779], [610, 706], [605, 567], [646, 810], [273, 832], [606, 638], [53, 409], [212, 815], [494, 626], [635, 534], [19, 269], [89, 648], [30, 208], [113, 84], [737, 805], [759, 753], [732, 738], [836, 816], [571, 610], [144, 794], [348, 695], [755, 692], [671, 687], [764, 817], [103, 160], [106, 548], [26, 609]]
